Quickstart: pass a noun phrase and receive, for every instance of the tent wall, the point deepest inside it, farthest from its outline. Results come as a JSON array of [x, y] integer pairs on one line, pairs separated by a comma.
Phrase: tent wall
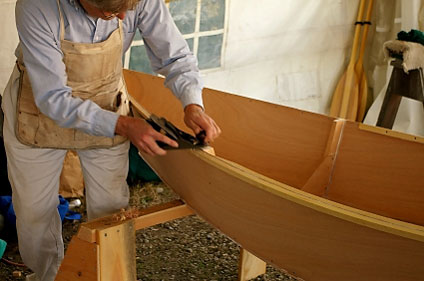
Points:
[[9, 40], [294, 52], [286, 52], [290, 52]]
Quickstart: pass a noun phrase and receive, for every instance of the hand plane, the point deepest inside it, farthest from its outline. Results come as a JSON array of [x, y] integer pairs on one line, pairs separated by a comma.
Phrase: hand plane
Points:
[[184, 140]]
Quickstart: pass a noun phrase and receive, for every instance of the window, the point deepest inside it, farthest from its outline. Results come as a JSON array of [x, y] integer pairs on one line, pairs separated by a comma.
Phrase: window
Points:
[[202, 24]]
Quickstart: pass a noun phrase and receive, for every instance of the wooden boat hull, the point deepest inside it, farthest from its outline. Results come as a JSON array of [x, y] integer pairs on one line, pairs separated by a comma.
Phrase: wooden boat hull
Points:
[[291, 230], [269, 212]]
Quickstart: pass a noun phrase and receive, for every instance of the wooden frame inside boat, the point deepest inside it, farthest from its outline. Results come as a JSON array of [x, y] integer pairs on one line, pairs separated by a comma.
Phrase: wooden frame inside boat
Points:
[[261, 201]]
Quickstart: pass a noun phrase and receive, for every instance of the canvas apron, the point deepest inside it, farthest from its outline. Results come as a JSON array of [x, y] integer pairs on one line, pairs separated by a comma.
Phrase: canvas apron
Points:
[[94, 71]]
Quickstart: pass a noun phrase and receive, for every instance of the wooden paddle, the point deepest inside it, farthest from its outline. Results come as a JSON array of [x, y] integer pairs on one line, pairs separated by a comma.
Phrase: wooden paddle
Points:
[[359, 67], [345, 97]]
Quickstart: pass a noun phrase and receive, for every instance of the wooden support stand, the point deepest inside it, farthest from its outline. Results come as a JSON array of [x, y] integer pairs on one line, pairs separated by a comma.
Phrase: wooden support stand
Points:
[[410, 85], [104, 249], [250, 266]]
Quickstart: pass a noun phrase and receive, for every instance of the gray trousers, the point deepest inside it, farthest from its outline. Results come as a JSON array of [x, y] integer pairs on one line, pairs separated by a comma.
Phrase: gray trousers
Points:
[[34, 176]]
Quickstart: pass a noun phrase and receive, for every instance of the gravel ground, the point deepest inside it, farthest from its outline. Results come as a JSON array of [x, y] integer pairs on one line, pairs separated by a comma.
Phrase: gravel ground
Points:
[[183, 249]]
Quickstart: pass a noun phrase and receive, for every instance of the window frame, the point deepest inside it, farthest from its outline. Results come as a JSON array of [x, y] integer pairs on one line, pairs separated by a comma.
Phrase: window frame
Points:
[[195, 36]]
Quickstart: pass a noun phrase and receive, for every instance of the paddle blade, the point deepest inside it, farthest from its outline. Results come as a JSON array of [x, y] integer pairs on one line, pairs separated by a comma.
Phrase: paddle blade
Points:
[[343, 89], [336, 102], [352, 110], [363, 97]]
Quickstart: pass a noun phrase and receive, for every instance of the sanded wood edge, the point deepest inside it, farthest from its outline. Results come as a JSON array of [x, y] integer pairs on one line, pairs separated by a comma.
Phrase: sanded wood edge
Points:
[[173, 209], [360, 217], [391, 133], [142, 112], [250, 266]]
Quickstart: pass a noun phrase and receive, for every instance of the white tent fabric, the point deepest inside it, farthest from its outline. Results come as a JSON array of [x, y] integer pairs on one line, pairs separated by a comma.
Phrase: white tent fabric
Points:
[[8, 41], [290, 52], [294, 52]]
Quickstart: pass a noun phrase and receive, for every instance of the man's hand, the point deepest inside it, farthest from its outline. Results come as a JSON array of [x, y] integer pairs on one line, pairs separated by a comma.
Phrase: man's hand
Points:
[[142, 135], [197, 120]]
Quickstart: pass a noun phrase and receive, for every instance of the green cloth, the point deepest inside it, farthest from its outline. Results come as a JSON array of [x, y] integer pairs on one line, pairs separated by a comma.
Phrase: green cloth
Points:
[[411, 36], [2, 247]]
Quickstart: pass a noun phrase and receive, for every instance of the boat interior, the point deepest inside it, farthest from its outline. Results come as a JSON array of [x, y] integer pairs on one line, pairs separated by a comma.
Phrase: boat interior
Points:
[[339, 160]]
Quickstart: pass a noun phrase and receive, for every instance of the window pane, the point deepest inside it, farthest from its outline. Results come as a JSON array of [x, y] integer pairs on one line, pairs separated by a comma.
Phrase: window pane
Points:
[[184, 14], [190, 43], [212, 15], [209, 52], [139, 60]]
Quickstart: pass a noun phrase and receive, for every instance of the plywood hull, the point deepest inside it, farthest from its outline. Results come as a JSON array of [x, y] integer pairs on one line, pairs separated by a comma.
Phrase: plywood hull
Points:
[[262, 202], [304, 240]]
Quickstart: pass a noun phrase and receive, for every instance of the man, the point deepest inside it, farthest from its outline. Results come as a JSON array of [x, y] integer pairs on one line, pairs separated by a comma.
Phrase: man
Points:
[[67, 92]]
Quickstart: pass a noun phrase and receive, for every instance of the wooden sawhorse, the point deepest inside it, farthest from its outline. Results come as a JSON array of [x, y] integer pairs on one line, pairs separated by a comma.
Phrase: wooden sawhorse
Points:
[[401, 84], [104, 249]]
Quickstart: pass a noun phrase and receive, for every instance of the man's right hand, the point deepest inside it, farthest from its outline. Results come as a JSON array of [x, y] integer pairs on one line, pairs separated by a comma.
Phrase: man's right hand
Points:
[[142, 135]]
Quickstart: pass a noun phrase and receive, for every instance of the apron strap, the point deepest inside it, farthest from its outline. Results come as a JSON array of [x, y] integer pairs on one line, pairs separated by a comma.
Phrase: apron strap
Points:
[[121, 32]]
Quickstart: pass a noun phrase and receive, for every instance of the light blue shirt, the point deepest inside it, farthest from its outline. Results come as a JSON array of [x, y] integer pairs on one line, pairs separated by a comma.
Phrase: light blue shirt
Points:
[[38, 27]]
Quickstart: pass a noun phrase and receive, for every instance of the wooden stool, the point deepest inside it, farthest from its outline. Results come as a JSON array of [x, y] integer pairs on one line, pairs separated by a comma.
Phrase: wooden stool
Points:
[[401, 84]]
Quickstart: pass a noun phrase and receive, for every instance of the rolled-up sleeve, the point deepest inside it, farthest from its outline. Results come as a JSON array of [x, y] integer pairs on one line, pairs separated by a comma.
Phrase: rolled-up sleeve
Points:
[[47, 73], [169, 53]]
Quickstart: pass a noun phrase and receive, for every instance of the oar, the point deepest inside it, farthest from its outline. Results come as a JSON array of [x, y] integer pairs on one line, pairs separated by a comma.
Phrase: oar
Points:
[[359, 67], [345, 97]]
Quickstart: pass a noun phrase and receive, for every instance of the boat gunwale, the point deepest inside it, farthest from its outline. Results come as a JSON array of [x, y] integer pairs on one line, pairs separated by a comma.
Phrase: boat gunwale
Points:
[[390, 133], [323, 205]]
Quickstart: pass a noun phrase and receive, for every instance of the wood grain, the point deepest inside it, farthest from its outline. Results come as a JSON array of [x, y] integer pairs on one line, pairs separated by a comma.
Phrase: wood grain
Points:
[[379, 174], [250, 266], [259, 206], [359, 66], [80, 262], [287, 144], [117, 253], [268, 220], [345, 98], [291, 146], [141, 218]]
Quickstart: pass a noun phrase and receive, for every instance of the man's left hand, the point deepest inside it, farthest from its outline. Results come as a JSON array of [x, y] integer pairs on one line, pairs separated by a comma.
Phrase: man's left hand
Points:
[[196, 119]]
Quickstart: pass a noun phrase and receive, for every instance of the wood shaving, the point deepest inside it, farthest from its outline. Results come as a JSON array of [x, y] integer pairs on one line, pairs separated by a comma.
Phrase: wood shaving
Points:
[[126, 214]]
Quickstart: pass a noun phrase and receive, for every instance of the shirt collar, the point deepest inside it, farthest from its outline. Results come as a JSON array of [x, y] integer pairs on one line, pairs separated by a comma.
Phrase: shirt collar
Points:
[[76, 4]]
